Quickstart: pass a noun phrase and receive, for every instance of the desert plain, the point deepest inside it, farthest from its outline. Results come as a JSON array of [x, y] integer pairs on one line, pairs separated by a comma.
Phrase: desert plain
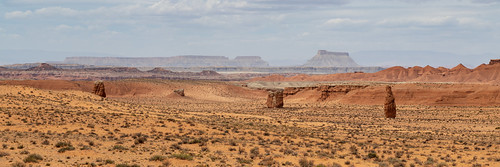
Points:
[[142, 122]]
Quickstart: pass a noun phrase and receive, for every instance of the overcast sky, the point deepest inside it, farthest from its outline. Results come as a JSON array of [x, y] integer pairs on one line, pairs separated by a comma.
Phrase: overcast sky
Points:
[[280, 31]]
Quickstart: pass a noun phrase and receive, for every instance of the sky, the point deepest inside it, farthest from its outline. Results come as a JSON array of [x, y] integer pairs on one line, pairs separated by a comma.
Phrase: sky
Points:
[[282, 32]]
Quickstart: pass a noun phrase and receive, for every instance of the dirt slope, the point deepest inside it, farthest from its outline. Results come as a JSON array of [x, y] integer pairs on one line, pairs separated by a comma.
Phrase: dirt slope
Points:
[[195, 90]]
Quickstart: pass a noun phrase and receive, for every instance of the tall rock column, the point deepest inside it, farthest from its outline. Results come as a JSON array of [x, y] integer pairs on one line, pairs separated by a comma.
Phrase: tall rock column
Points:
[[275, 99], [99, 89], [389, 105]]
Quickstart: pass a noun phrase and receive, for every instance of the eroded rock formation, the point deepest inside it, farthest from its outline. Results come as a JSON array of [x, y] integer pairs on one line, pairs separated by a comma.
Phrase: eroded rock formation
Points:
[[275, 99], [99, 88], [389, 104], [494, 61], [179, 92]]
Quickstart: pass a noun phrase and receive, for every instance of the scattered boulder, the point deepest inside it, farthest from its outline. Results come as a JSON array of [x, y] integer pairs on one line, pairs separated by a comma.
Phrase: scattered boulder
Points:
[[275, 99], [99, 88], [179, 92], [389, 105]]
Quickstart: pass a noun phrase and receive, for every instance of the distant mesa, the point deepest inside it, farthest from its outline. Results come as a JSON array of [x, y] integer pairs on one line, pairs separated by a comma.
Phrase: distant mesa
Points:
[[322, 59], [43, 67], [331, 59], [175, 61]]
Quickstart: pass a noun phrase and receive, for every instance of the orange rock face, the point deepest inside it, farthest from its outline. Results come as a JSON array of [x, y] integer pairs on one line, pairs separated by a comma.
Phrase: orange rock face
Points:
[[389, 105], [275, 99], [99, 89], [494, 61]]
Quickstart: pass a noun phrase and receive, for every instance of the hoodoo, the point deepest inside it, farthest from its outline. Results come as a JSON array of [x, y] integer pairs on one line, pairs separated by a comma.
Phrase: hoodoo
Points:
[[275, 99], [331, 59], [99, 89], [390, 104]]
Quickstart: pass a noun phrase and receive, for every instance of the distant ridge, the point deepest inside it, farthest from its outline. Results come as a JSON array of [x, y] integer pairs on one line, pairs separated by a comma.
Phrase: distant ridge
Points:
[[331, 59], [175, 61], [485, 73]]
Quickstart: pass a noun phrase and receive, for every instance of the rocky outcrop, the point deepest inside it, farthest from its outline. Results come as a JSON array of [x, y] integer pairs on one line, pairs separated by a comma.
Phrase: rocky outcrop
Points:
[[389, 104], [494, 61], [175, 61], [331, 59], [99, 88], [43, 67], [275, 99], [327, 90], [179, 92]]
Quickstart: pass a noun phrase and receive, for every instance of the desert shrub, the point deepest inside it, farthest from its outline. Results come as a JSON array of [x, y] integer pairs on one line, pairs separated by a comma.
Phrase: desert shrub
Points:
[[108, 161], [3, 154], [68, 148], [127, 165], [157, 158], [306, 163], [140, 140], [18, 164], [63, 144], [166, 163], [336, 165], [183, 156], [119, 147], [430, 161], [33, 158], [347, 162], [254, 152], [244, 161], [353, 149], [372, 155], [269, 161], [442, 164]]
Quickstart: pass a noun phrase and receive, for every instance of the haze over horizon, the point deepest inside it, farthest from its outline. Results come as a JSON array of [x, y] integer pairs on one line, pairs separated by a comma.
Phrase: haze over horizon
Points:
[[375, 33]]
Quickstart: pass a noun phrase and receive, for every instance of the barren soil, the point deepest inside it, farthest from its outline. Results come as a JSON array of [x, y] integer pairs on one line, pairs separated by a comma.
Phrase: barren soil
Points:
[[222, 124]]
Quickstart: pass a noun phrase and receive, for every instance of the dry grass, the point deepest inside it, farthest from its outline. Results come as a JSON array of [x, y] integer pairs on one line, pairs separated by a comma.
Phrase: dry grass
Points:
[[146, 131]]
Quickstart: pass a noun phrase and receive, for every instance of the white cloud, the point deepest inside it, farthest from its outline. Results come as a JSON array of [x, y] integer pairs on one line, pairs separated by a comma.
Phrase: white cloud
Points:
[[49, 11], [196, 6], [64, 27], [420, 21], [344, 21], [18, 14]]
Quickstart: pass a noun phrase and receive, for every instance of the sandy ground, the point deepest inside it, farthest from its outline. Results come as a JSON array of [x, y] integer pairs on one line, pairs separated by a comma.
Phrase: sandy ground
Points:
[[222, 124]]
